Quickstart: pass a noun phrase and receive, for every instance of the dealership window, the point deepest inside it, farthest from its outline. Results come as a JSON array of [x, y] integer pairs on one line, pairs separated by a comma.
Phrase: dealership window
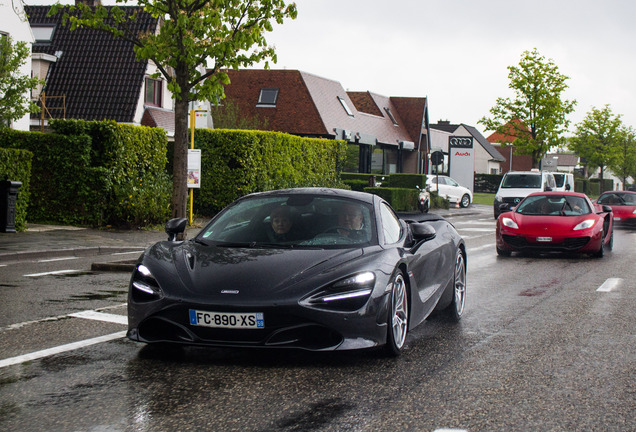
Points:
[[154, 88], [384, 160], [268, 97]]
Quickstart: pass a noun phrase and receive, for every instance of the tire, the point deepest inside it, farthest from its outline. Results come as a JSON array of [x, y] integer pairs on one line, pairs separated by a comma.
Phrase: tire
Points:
[[465, 201], [398, 317], [455, 309], [601, 251], [503, 253]]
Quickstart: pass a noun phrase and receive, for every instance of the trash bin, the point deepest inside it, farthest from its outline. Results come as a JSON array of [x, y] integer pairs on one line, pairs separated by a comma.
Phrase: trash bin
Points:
[[8, 199]]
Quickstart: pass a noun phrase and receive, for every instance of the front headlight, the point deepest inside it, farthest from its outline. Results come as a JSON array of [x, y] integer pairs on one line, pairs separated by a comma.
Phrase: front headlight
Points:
[[509, 223], [347, 294], [588, 223], [144, 286]]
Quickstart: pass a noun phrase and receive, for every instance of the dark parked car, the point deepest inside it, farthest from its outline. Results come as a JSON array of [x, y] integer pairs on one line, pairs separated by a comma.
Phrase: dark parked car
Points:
[[315, 269]]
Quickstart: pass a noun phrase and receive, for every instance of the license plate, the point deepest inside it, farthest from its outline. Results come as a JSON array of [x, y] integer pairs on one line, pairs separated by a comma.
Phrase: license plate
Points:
[[544, 239], [253, 320]]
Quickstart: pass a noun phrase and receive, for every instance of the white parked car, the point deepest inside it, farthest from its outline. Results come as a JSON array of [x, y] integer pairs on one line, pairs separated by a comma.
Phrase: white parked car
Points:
[[449, 189]]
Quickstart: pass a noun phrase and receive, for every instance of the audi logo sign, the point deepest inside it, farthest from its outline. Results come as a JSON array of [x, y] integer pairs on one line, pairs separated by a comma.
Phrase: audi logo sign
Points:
[[465, 142]]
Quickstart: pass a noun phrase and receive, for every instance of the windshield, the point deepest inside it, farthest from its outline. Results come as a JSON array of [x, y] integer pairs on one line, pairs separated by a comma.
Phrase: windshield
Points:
[[554, 205], [291, 221], [522, 181], [618, 198], [559, 179]]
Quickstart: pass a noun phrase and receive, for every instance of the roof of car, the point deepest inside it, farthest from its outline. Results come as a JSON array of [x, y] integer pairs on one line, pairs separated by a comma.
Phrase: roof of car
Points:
[[344, 193], [559, 193]]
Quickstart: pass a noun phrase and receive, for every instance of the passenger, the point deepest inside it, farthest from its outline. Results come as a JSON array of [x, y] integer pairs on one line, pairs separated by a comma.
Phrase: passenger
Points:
[[282, 225]]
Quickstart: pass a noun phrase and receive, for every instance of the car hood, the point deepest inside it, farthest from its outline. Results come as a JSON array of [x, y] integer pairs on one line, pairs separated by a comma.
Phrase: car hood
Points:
[[214, 272], [532, 224]]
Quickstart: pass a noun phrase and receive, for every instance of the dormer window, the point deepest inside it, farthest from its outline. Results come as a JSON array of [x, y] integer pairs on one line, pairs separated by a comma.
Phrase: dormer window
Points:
[[268, 97], [390, 114], [43, 34], [154, 89], [345, 106]]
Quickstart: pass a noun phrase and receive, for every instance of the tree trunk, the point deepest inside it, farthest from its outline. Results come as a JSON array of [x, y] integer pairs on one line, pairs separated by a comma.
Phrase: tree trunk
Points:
[[180, 168]]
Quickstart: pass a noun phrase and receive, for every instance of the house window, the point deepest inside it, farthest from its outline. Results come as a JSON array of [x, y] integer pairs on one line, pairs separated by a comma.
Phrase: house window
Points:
[[345, 106], [267, 97], [390, 114], [43, 34], [153, 92]]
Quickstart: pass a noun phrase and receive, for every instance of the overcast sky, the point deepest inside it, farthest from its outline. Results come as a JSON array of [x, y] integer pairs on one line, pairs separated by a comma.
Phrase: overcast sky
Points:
[[456, 52]]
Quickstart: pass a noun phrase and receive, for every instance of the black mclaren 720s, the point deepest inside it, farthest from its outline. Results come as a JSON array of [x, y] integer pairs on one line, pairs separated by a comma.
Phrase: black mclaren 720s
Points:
[[308, 268]]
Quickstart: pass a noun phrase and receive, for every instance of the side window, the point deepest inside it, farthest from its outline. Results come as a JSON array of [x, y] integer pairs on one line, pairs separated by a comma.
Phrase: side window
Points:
[[390, 225]]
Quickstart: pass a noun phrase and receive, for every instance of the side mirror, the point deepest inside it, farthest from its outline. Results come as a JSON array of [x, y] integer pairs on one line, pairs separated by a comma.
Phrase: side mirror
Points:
[[175, 227], [422, 232], [567, 187], [504, 207], [607, 209]]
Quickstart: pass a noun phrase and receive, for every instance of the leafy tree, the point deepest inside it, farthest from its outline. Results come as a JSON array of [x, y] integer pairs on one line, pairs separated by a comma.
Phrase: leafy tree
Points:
[[597, 138], [194, 34], [229, 116], [14, 87], [536, 117], [624, 165]]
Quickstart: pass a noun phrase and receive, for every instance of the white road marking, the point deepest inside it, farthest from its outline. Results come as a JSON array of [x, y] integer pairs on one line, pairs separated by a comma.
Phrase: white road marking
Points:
[[101, 316], [478, 229], [60, 349], [57, 259], [126, 253], [610, 284], [57, 272], [59, 317]]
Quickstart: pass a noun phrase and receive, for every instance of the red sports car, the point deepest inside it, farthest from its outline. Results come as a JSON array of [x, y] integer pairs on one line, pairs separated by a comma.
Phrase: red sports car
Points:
[[623, 204], [556, 222]]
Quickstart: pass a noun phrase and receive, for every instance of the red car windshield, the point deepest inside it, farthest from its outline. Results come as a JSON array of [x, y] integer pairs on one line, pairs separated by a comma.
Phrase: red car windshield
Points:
[[554, 205]]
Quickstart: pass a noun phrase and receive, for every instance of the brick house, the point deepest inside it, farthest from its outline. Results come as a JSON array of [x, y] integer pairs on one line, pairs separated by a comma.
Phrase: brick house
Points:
[[385, 134]]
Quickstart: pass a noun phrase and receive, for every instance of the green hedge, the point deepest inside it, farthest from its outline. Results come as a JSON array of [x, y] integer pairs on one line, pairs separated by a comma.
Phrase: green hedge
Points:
[[401, 199], [96, 173], [238, 162], [15, 165]]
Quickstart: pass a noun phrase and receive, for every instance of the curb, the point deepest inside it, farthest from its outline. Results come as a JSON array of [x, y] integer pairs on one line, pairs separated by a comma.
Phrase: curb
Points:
[[78, 252]]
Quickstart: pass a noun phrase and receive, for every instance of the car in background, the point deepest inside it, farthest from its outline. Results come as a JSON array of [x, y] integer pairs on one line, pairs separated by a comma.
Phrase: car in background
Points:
[[516, 185], [623, 204], [449, 189], [310, 268], [564, 181], [555, 222]]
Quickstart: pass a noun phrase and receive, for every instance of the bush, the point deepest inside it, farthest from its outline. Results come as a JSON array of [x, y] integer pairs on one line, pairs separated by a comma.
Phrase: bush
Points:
[[15, 165], [401, 199], [235, 163], [96, 173]]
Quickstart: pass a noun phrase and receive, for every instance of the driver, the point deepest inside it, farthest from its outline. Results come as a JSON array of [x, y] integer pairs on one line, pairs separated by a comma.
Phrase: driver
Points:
[[351, 220]]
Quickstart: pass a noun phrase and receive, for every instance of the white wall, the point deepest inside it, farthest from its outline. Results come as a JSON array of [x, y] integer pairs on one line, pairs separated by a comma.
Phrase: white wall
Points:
[[14, 23]]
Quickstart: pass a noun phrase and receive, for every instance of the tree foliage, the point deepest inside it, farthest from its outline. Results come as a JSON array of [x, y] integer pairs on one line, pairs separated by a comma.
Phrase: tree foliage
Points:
[[536, 117], [14, 87], [624, 166], [196, 42], [598, 137]]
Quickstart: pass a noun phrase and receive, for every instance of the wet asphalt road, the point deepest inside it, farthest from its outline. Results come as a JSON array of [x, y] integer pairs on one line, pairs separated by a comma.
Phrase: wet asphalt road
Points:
[[539, 349]]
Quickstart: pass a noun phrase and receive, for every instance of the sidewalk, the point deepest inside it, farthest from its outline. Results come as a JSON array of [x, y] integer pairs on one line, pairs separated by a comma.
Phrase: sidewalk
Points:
[[51, 240]]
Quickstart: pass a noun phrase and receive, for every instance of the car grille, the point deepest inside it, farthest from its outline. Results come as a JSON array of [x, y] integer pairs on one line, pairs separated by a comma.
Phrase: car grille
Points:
[[281, 329], [512, 201], [569, 244]]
